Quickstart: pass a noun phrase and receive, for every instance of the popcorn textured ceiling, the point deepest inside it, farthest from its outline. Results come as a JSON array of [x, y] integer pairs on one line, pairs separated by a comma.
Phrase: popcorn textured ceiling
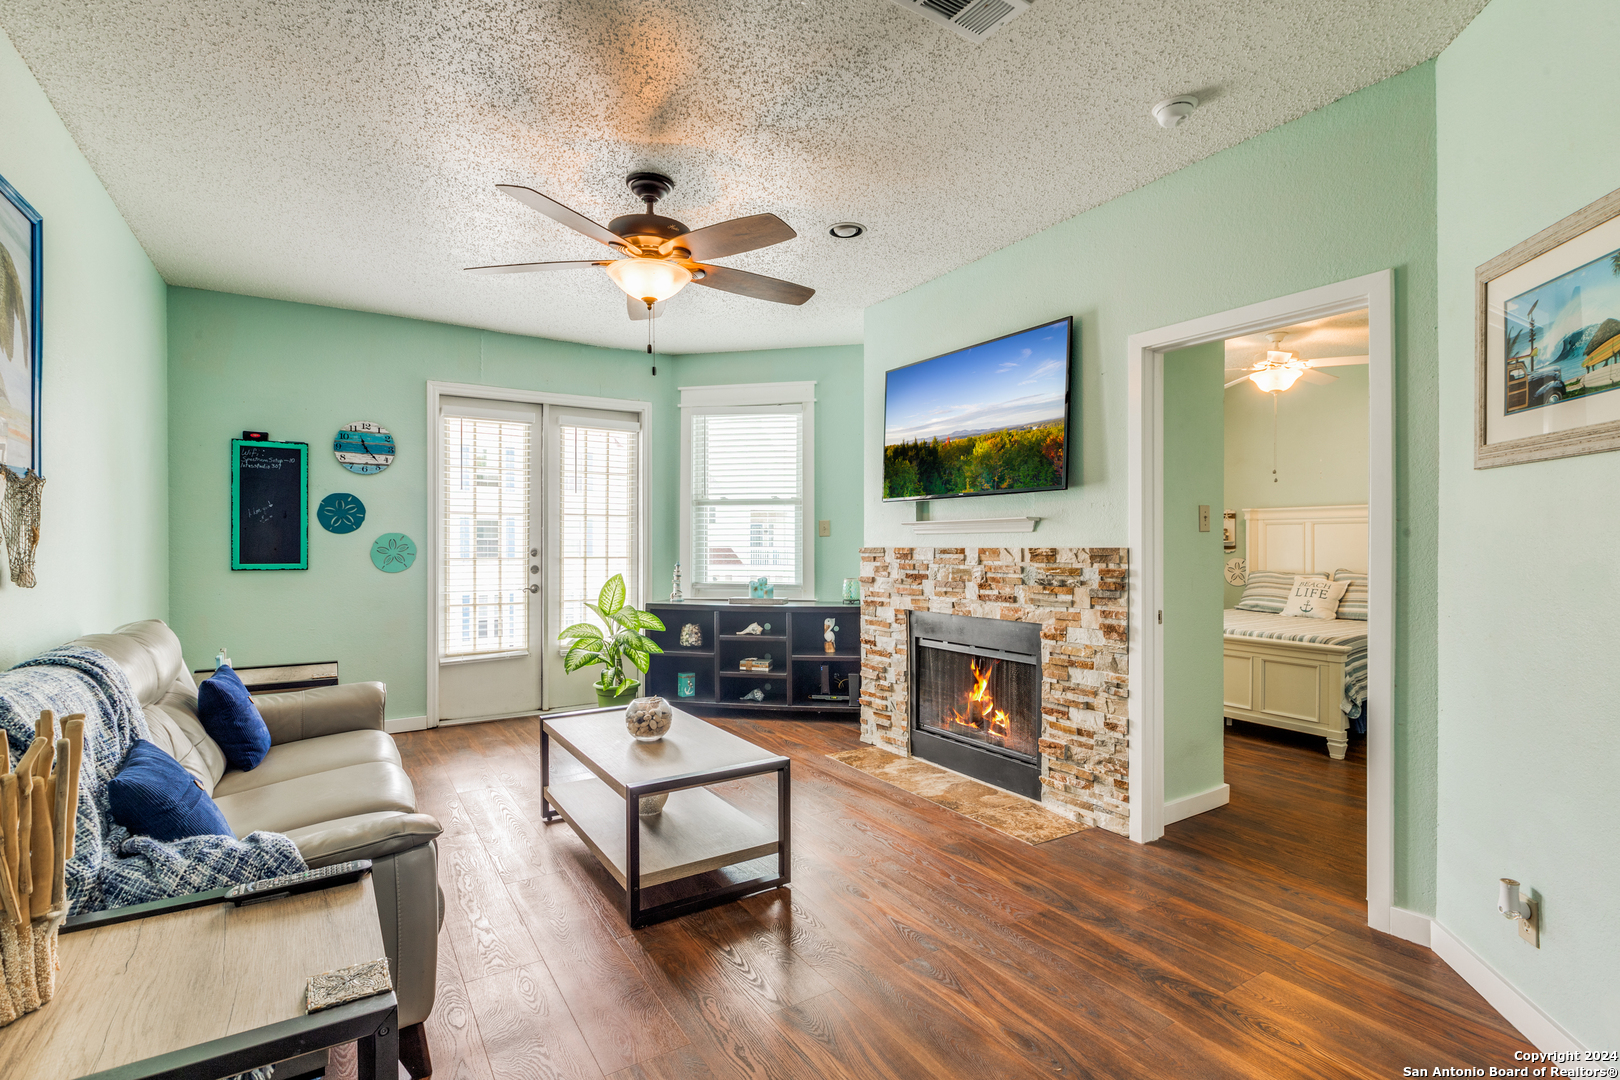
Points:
[[346, 153]]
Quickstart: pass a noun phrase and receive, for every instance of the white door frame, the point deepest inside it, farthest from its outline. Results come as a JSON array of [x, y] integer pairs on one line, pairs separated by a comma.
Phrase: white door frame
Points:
[[435, 454], [1375, 292]]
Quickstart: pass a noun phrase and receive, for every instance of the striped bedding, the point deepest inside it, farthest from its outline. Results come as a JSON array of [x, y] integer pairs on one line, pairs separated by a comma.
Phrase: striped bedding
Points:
[[1315, 632]]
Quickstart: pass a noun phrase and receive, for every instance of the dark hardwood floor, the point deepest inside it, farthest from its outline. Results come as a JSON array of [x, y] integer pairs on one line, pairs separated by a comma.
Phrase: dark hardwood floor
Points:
[[917, 943]]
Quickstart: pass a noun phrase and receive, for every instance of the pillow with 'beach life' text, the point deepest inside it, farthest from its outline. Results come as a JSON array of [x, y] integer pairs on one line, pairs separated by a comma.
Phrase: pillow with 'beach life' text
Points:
[[1314, 598]]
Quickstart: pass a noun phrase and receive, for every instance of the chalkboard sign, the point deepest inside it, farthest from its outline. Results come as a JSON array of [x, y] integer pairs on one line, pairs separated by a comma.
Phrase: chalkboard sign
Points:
[[269, 505]]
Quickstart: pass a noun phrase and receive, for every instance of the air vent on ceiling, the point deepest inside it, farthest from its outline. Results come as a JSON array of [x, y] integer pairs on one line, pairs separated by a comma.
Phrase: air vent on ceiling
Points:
[[972, 19]]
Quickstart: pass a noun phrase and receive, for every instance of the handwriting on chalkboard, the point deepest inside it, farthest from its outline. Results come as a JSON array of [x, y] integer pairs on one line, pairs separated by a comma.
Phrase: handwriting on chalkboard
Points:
[[262, 457]]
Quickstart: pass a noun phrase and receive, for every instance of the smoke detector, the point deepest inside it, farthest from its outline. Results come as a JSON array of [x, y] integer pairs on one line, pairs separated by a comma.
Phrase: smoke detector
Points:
[[1172, 112], [974, 20]]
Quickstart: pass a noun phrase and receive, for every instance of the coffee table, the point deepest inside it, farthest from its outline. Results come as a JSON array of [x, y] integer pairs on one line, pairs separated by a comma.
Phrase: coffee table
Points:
[[697, 831]]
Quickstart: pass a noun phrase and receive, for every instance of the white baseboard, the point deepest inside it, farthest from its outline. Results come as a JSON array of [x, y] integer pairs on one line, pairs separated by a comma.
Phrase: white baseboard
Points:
[[405, 723], [1410, 926], [1542, 1030], [1187, 806]]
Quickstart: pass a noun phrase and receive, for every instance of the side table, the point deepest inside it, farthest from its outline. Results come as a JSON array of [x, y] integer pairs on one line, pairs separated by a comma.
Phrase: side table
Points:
[[205, 992]]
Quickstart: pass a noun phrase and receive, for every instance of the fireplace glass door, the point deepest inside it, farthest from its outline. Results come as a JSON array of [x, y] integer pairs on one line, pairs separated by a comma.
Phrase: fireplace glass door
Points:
[[992, 701]]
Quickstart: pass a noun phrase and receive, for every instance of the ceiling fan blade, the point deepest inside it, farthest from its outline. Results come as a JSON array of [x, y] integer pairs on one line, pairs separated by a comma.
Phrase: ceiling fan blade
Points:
[[1337, 361], [732, 237], [559, 213], [638, 309], [529, 268], [1317, 376], [1234, 382], [758, 286]]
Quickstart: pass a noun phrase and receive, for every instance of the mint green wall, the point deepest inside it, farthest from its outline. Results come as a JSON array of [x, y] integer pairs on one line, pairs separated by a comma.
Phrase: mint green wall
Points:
[[1343, 191], [1530, 747], [101, 559], [1194, 727], [299, 372], [837, 372], [1321, 444]]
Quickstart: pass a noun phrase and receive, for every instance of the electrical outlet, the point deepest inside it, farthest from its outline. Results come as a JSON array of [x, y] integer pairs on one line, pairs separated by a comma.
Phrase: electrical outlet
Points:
[[1203, 519], [823, 528], [1530, 928]]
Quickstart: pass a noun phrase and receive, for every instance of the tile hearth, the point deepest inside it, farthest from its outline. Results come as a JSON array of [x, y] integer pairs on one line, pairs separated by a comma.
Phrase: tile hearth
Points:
[[1076, 596]]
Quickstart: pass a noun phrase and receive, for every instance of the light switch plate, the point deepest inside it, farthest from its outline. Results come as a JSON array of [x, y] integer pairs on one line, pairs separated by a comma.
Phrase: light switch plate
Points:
[[1203, 519], [824, 528]]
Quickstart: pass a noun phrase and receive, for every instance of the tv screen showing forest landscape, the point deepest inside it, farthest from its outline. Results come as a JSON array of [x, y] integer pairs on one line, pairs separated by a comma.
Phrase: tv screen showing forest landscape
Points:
[[986, 420]]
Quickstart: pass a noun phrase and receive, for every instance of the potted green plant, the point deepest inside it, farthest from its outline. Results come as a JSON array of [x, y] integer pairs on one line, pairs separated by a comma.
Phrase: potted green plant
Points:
[[623, 640]]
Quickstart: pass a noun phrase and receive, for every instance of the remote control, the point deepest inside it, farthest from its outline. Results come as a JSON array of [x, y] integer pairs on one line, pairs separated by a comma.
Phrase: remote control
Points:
[[308, 881]]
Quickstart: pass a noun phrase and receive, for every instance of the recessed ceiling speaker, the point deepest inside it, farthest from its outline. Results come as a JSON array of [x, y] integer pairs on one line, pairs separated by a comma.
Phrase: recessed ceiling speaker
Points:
[[1174, 111]]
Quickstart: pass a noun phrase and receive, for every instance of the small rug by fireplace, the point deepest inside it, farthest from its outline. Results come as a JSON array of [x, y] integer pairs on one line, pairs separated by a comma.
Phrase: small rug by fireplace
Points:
[[1006, 813]]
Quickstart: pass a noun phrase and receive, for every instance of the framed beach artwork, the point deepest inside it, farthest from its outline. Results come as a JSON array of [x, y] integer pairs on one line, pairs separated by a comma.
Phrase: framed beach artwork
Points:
[[1548, 342], [21, 287]]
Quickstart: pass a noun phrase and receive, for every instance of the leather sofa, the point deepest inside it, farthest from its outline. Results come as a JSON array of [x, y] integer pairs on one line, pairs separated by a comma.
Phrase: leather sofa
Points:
[[332, 782]]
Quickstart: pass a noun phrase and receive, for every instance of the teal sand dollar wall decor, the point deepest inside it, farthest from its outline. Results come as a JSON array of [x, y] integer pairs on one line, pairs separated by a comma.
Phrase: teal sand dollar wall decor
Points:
[[364, 447], [341, 512], [393, 552]]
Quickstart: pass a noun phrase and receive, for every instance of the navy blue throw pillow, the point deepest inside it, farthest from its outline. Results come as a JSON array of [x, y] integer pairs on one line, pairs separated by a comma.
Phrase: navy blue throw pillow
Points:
[[152, 795], [232, 720]]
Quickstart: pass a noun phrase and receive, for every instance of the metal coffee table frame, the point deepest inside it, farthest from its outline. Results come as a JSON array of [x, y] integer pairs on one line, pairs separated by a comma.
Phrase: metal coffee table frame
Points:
[[635, 915]]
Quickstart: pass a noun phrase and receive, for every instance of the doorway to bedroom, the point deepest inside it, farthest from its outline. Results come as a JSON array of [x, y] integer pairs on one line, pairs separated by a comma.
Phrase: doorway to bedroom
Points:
[[1262, 475]]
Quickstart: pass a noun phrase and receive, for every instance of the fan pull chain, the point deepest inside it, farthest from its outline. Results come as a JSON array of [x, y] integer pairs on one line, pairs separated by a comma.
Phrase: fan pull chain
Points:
[[650, 340], [1274, 397]]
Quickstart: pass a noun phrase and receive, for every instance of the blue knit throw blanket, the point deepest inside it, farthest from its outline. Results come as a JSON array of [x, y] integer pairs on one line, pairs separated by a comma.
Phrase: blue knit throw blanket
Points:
[[111, 868]]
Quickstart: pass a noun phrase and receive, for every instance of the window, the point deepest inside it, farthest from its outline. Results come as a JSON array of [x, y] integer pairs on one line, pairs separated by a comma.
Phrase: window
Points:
[[486, 498], [747, 485], [597, 500]]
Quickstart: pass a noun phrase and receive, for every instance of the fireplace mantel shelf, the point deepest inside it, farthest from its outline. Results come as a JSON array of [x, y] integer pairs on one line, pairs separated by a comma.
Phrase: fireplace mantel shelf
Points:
[[974, 525]]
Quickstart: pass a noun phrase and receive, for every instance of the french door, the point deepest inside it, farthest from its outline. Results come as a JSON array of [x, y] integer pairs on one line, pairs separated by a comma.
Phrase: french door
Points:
[[491, 603], [539, 504]]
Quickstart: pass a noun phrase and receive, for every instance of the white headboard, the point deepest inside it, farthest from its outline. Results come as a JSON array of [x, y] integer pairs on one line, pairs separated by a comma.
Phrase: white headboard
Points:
[[1307, 539]]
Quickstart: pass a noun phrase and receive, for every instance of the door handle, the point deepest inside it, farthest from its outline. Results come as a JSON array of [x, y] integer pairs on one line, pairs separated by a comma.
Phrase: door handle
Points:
[[534, 588]]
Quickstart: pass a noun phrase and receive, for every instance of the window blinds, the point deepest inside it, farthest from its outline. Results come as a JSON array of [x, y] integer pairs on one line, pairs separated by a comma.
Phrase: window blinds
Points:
[[597, 508], [748, 495], [485, 547]]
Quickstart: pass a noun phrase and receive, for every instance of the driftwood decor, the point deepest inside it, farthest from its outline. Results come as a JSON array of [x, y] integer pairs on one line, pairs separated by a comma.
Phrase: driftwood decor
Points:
[[1547, 342], [38, 809]]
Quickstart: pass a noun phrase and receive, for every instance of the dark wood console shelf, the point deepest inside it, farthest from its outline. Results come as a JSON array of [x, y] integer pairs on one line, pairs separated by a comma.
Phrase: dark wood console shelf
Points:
[[794, 642]]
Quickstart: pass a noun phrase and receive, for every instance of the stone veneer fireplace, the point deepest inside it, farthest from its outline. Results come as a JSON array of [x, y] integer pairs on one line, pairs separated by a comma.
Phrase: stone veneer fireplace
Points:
[[1074, 598]]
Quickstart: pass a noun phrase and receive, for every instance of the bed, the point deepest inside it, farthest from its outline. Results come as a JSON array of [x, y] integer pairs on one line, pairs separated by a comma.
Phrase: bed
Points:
[[1305, 675]]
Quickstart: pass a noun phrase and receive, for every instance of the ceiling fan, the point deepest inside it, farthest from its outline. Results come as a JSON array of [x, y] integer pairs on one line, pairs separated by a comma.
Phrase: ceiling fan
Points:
[[1278, 369], [660, 255]]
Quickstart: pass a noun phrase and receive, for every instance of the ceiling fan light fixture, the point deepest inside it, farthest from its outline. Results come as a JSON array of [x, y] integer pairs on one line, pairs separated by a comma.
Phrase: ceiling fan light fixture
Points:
[[651, 280], [1275, 379]]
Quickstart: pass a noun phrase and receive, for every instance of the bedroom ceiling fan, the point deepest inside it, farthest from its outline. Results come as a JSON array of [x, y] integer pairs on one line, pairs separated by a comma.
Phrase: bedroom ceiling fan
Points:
[[1278, 369], [659, 255]]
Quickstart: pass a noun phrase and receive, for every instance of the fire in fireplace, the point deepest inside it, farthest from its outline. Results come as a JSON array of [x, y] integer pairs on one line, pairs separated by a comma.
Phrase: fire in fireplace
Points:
[[976, 698]]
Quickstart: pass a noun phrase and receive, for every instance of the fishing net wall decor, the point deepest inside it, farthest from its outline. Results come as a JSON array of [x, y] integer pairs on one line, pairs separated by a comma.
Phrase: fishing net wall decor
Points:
[[19, 523]]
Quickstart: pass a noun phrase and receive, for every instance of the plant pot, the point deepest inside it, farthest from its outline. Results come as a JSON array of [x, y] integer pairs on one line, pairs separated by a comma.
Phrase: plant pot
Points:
[[608, 701]]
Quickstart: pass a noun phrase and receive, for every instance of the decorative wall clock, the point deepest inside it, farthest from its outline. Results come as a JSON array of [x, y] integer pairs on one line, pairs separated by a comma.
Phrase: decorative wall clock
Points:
[[341, 512], [393, 552], [363, 447]]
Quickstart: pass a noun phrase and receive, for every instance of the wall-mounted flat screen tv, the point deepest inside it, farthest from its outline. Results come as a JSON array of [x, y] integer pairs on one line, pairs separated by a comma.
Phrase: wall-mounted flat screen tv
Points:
[[990, 419]]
